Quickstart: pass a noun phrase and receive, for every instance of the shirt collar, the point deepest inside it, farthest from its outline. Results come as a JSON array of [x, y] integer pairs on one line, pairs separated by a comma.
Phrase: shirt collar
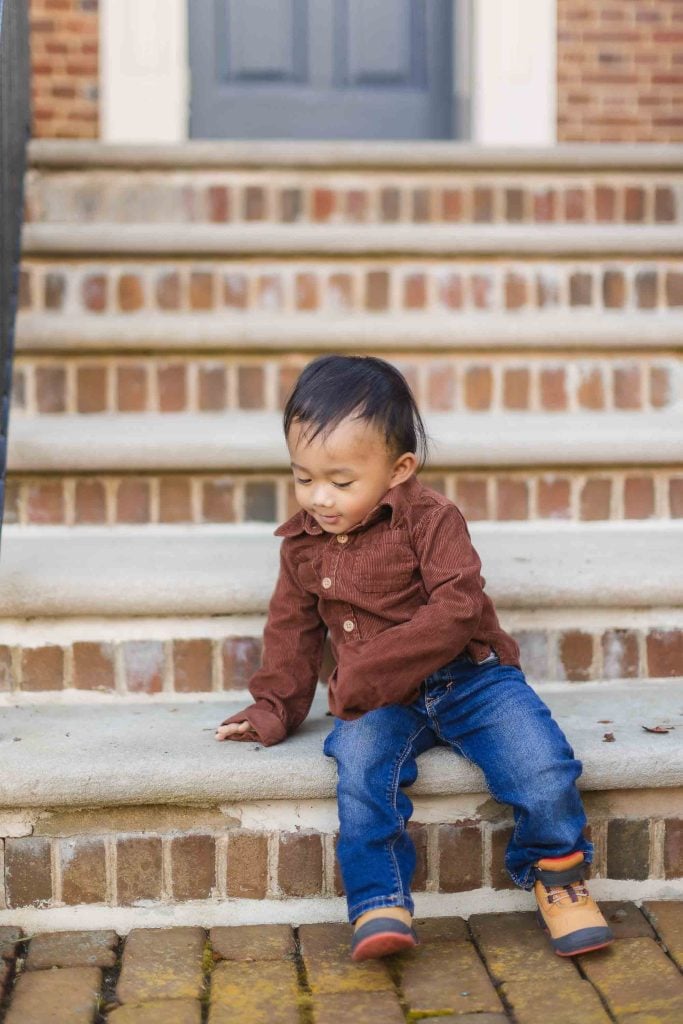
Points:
[[395, 498]]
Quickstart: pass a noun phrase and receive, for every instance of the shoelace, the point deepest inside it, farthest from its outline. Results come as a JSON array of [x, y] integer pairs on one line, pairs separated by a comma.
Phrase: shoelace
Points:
[[572, 892]]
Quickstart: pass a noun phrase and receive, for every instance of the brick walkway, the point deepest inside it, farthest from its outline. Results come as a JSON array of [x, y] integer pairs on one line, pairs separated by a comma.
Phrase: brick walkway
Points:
[[493, 968]]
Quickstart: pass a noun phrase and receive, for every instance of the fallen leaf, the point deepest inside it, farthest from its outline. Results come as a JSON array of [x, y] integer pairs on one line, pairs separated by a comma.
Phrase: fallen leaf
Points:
[[657, 728], [608, 737], [604, 721]]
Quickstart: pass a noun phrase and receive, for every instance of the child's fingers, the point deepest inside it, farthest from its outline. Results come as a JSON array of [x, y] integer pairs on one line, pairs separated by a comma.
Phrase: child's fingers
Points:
[[225, 731]]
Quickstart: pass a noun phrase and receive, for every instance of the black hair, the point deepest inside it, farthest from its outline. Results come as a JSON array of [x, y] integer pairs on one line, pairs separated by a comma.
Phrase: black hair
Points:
[[332, 387]]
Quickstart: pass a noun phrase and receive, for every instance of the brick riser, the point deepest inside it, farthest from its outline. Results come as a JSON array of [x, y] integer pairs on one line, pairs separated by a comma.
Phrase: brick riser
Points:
[[224, 663], [551, 381], [345, 285], [142, 855], [528, 494], [370, 196]]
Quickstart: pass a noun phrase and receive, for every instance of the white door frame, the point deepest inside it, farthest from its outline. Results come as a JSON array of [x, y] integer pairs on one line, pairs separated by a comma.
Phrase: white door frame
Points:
[[504, 77]]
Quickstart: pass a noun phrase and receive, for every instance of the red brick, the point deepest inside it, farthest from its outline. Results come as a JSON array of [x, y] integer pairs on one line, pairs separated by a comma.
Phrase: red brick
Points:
[[591, 391], [390, 204], [192, 665], [552, 387], [143, 665], [212, 387], [241, 656], [28, 871], [595, 499], [168, 290], [482, 290], [673, 848], [7, 680], [91, 388], [419, 835], [665, 204], [421, 210], [193, 864], [516, 384], [235, 291], [553, 498], [661, 387], [201, 290], [251, 387], [218, 500], [441, 386], [576, 654], [83, 870], [620, 655], [605, 203], [482, 204], [247, 864], [94, 290], [356, 207], [42, 668], [452, 204], [627, 387], [500, 878], [460, 853], [218, 202], [254, 201], [90, 502], [300, 864], [93, 666], [676, 497], [269, 292], [471, 497], [323, 204], [175, 501], [44, 501], [674, 289], [664, 652], [574, 204], [634, 204], [613, 289], [451, 291], [131, 388], [646, 289], [339, 294], [50, 388], [515, 291], [581, 289], [25, 296], [377, 290], [138, 869], [544, 205], [172, 386], [639, 497], [306, 291], [628, 849], [512, 499], [514, 204], [133, 501], [415, 291], [478, 387], [131, 296]]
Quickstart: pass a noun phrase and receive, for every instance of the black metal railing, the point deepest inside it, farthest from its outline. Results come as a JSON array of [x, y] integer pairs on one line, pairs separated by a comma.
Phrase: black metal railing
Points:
[[15, 126]]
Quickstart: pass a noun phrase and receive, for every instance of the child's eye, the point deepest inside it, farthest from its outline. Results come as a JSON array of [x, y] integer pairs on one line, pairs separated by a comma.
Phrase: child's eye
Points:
[[300, 481]]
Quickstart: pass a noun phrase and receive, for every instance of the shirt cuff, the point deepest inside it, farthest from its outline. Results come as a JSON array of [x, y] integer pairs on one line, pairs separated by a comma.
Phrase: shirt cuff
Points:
[[263, 721]]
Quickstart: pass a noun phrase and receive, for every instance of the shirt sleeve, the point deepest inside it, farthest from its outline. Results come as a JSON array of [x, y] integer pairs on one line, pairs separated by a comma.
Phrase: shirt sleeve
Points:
[[388, 668], [284, 686]]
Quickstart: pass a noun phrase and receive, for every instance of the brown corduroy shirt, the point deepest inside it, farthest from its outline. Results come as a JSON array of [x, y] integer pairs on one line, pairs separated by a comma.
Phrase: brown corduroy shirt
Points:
[[401, 594]]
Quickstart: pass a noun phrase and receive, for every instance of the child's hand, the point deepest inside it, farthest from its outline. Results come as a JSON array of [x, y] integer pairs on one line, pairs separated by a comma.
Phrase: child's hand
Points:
[[224, 732]]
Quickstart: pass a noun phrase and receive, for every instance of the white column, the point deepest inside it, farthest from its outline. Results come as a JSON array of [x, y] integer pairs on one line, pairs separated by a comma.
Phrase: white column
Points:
[[144, 71], [514, 99]]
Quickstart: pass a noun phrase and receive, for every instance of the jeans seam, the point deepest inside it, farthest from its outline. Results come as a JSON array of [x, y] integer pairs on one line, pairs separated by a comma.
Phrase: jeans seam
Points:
[[395, 899], [393, 793]]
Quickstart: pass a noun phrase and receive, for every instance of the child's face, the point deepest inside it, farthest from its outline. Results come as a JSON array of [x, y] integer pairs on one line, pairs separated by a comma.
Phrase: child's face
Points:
[[339, 480]]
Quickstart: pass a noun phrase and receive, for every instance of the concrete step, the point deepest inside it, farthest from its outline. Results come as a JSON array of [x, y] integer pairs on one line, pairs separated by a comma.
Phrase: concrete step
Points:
[[359, 182], [251, 440], [559, 332], [402, 240], [142, 813], [166, 570]]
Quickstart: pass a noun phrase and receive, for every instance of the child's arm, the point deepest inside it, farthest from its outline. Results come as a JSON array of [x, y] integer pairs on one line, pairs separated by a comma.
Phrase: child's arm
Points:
[[388, 668], [284, 686]]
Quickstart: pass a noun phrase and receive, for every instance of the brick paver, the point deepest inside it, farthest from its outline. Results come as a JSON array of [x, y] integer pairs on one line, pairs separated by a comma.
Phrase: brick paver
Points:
[[266, 992], [176, 1011], [162, 964], [55, 997], [72, 949], [667, 917], [635, 975], [491, 969]]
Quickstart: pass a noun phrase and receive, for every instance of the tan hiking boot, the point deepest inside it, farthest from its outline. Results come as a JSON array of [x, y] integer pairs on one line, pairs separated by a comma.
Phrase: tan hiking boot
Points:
[[566, 911]]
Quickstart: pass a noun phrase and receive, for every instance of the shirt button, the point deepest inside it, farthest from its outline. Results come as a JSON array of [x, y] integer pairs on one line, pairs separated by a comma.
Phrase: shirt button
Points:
[[349, 625], [327, 582], [342, 538]]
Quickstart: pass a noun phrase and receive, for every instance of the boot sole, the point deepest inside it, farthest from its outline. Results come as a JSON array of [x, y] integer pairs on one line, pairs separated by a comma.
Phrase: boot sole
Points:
[[382, 944], [572, 952]]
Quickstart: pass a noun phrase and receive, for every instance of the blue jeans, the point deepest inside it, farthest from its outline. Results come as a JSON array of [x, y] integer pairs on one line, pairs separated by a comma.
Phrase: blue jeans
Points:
[[486, 712]]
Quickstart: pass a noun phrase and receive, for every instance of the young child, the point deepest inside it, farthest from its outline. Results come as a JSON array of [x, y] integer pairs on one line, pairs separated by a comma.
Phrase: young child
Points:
[[387, 565]]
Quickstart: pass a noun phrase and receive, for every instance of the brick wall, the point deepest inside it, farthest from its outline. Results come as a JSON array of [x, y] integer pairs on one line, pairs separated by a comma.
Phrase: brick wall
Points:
[[620, 70], [65, 68]]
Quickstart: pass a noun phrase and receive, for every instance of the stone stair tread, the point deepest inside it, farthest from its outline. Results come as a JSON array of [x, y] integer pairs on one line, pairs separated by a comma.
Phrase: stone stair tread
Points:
[[448, 155], [231, 568], [457, 240], [223, 331], [166, 754], [252, 439]]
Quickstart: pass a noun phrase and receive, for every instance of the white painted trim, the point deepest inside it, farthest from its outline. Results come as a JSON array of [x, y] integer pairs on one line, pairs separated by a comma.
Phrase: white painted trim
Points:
[[144, 71], [514, 98]]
